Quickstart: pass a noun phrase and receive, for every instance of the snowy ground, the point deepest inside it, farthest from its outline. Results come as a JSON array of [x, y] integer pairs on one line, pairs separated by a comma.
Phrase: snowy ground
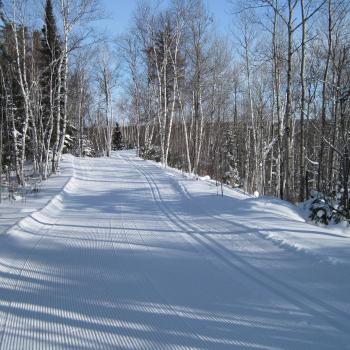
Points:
[[131, 256], [12, 211]]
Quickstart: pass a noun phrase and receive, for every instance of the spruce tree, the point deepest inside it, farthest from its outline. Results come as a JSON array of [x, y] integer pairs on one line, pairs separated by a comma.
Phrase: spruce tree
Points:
[[50, 54], [50, 40], [2, 15], [117, 138]]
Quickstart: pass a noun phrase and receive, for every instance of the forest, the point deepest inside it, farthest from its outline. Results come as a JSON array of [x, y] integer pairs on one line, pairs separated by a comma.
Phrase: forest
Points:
[[263, 107]]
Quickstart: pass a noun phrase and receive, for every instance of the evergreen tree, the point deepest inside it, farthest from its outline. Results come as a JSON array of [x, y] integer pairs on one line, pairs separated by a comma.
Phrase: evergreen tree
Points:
[[49, 58], [50, 40], [2, 15], [117, 138], [231, 175], [11, 97]]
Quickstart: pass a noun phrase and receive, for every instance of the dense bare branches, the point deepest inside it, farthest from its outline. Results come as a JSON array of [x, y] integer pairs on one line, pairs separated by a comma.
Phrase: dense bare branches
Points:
[[283, 95], [36, 81], [268, 102]]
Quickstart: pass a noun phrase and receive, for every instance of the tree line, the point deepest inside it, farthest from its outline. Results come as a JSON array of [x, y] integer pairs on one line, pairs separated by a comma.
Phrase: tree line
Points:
[[264, 106], [56, 86]]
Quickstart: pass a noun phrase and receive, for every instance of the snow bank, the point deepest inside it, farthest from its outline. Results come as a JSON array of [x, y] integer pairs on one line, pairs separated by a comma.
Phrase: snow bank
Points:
[[279, 221], [34, 213]]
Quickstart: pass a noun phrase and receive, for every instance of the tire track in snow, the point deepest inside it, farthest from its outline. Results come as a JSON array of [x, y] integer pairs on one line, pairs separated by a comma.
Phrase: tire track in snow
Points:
[[187, 328], [83, 310], [239, 341], [12, 304], [99, 240], [128, 340], [304, 302], [184, 313], [12, 339], [254, 235], [60, 333]]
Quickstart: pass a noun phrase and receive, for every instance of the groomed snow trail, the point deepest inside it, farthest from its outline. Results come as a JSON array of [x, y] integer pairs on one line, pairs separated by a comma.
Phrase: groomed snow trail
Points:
[[130, 256]]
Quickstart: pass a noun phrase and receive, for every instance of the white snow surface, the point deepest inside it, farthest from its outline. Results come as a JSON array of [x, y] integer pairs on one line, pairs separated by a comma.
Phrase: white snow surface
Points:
[[127, 255]]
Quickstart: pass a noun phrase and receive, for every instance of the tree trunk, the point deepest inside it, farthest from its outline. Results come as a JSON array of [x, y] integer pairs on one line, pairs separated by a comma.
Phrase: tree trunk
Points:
[[302, 106]]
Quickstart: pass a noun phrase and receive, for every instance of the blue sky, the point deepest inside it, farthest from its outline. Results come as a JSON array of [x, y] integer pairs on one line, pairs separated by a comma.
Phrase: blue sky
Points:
[[120, 12]]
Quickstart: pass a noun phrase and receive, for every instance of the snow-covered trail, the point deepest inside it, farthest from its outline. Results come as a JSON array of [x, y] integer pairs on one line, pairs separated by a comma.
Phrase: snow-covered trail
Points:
[[130, 256]]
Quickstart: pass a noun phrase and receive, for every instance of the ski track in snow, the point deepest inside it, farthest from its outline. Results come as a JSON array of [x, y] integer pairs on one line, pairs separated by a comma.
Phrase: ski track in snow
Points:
[[130, 256]]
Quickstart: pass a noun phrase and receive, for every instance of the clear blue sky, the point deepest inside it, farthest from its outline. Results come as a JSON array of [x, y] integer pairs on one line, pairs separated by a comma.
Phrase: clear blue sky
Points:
[[120, 12]]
